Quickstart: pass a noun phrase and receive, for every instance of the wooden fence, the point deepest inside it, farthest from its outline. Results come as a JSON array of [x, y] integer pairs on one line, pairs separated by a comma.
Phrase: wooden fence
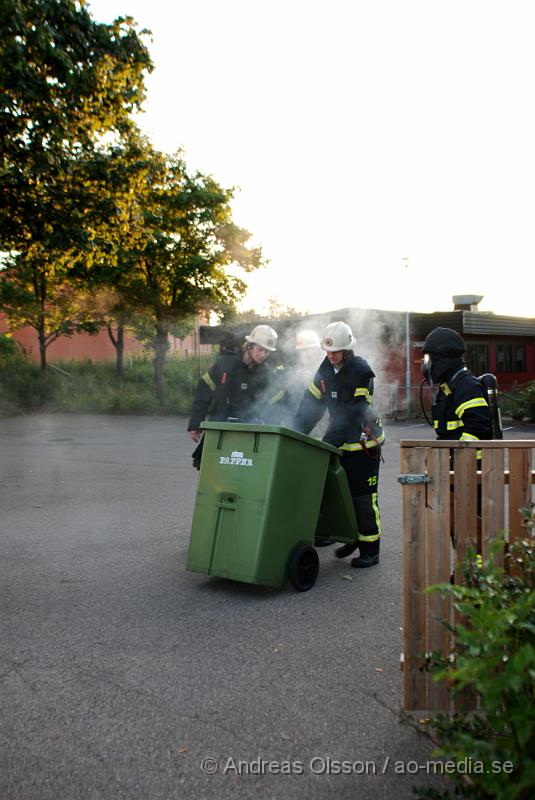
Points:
[[437, 501]]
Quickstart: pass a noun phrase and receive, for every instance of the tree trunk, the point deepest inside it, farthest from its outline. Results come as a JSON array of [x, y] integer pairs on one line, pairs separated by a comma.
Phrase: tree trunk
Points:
[[42, 347], [161, 345], [118, 343]]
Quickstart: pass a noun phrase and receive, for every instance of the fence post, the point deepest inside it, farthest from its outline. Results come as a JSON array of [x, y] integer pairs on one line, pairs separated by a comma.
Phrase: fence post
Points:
[[438, 568], [520, 465], [414, 618]]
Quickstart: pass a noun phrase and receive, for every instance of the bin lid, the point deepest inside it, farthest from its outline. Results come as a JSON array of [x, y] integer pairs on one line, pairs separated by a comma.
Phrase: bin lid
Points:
[[269, 429]]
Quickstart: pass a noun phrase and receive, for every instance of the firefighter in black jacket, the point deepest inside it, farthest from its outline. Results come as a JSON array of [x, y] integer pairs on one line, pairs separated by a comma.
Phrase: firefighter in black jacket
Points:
[[343, 385], [234, 387], [460, 409]]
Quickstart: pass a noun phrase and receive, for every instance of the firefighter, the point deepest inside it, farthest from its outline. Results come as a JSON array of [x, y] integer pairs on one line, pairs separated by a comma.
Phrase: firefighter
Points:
[[293, 378], [308, 357], [460, 409], [308, 348], [235, 387], [343, 385]]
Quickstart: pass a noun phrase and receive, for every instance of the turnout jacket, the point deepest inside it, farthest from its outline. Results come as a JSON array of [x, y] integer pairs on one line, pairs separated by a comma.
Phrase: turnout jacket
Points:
[[347, 395], [460, 409], [230, 389]]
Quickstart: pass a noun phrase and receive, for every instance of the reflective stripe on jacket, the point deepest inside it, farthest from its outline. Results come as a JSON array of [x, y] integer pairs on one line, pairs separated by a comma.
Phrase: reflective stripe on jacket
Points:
[[461, 410]]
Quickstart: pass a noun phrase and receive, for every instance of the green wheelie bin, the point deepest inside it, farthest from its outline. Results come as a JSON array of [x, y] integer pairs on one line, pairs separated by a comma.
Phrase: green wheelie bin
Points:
[[264, 494]]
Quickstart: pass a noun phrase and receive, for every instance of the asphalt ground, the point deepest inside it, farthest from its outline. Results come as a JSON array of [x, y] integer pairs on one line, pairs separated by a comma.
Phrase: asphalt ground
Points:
[[123, 675]]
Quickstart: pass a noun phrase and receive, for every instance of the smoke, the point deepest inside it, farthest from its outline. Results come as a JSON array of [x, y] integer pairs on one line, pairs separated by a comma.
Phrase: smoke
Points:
[[380, 340], [297, 377]]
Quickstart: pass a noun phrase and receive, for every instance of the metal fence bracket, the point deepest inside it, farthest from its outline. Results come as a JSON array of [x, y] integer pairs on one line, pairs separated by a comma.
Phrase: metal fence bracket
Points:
[[414, 478]]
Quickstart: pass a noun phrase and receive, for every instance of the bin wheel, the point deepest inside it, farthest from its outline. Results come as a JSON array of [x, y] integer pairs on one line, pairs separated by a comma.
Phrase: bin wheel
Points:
[[303, 567]]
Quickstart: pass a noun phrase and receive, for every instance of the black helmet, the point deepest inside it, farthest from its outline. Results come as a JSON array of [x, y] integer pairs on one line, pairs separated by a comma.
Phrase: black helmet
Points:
[[444, 342]]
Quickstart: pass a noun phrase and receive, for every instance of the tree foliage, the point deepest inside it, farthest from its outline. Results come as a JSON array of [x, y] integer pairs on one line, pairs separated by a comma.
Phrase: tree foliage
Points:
[[89, 207], [185, 255], [67, 81], [495, 660], [35, 293]]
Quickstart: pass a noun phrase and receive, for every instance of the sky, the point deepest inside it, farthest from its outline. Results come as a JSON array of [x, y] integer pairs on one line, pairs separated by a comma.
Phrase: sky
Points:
[[383, 151]]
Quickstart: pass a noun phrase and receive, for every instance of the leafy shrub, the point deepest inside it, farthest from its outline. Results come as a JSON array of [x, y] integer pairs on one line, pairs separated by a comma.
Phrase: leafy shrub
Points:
[[495, 659], [8, 348], [23, 386], [521, 404], [132, 400], [92, 387]]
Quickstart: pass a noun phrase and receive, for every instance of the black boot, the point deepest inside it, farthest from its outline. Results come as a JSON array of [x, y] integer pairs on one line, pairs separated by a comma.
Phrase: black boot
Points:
[[368, 555], [345, 550]]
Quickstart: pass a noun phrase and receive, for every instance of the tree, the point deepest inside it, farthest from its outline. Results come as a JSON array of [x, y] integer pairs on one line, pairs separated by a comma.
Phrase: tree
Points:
[[88, 206], [277, 310], [67, 81], [186, 255], [232, 316], [52, 308], [115, 185]]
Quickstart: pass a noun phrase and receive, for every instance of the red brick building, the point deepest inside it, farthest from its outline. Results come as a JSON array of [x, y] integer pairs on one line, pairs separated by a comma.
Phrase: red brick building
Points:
[[98, 347]]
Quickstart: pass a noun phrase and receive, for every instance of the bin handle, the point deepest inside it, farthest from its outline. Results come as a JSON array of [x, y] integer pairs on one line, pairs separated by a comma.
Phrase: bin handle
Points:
[[256, 442]]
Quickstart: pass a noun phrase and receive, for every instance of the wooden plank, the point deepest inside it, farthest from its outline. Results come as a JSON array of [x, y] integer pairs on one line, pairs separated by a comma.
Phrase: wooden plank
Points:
[[438, 569], [414, 608], [505, 474], [465, 526], [492, 499], [465, 506], [505, 444], [520, 462]]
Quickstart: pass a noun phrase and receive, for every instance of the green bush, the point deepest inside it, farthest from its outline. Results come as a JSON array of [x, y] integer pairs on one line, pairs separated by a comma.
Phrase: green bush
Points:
[[8, 347], [495, 660], [521, 404], [23, 386], [92, 387]]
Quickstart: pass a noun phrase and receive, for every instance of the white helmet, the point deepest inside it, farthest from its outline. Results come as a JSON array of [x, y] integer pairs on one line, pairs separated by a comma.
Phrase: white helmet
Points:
[[337, 336], [306, 339], [263, 336]]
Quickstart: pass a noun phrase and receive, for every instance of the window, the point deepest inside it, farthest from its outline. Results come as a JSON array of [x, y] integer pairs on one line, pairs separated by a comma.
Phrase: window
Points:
[[477, 358], [510, 358], [520, 358]]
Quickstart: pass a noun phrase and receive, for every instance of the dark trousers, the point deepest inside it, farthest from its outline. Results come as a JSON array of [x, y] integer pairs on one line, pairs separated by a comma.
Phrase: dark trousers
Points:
[[362, 470], [197, 453]]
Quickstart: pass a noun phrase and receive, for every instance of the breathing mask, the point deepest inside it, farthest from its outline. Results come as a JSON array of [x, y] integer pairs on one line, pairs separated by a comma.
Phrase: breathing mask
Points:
[[426, 368]]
